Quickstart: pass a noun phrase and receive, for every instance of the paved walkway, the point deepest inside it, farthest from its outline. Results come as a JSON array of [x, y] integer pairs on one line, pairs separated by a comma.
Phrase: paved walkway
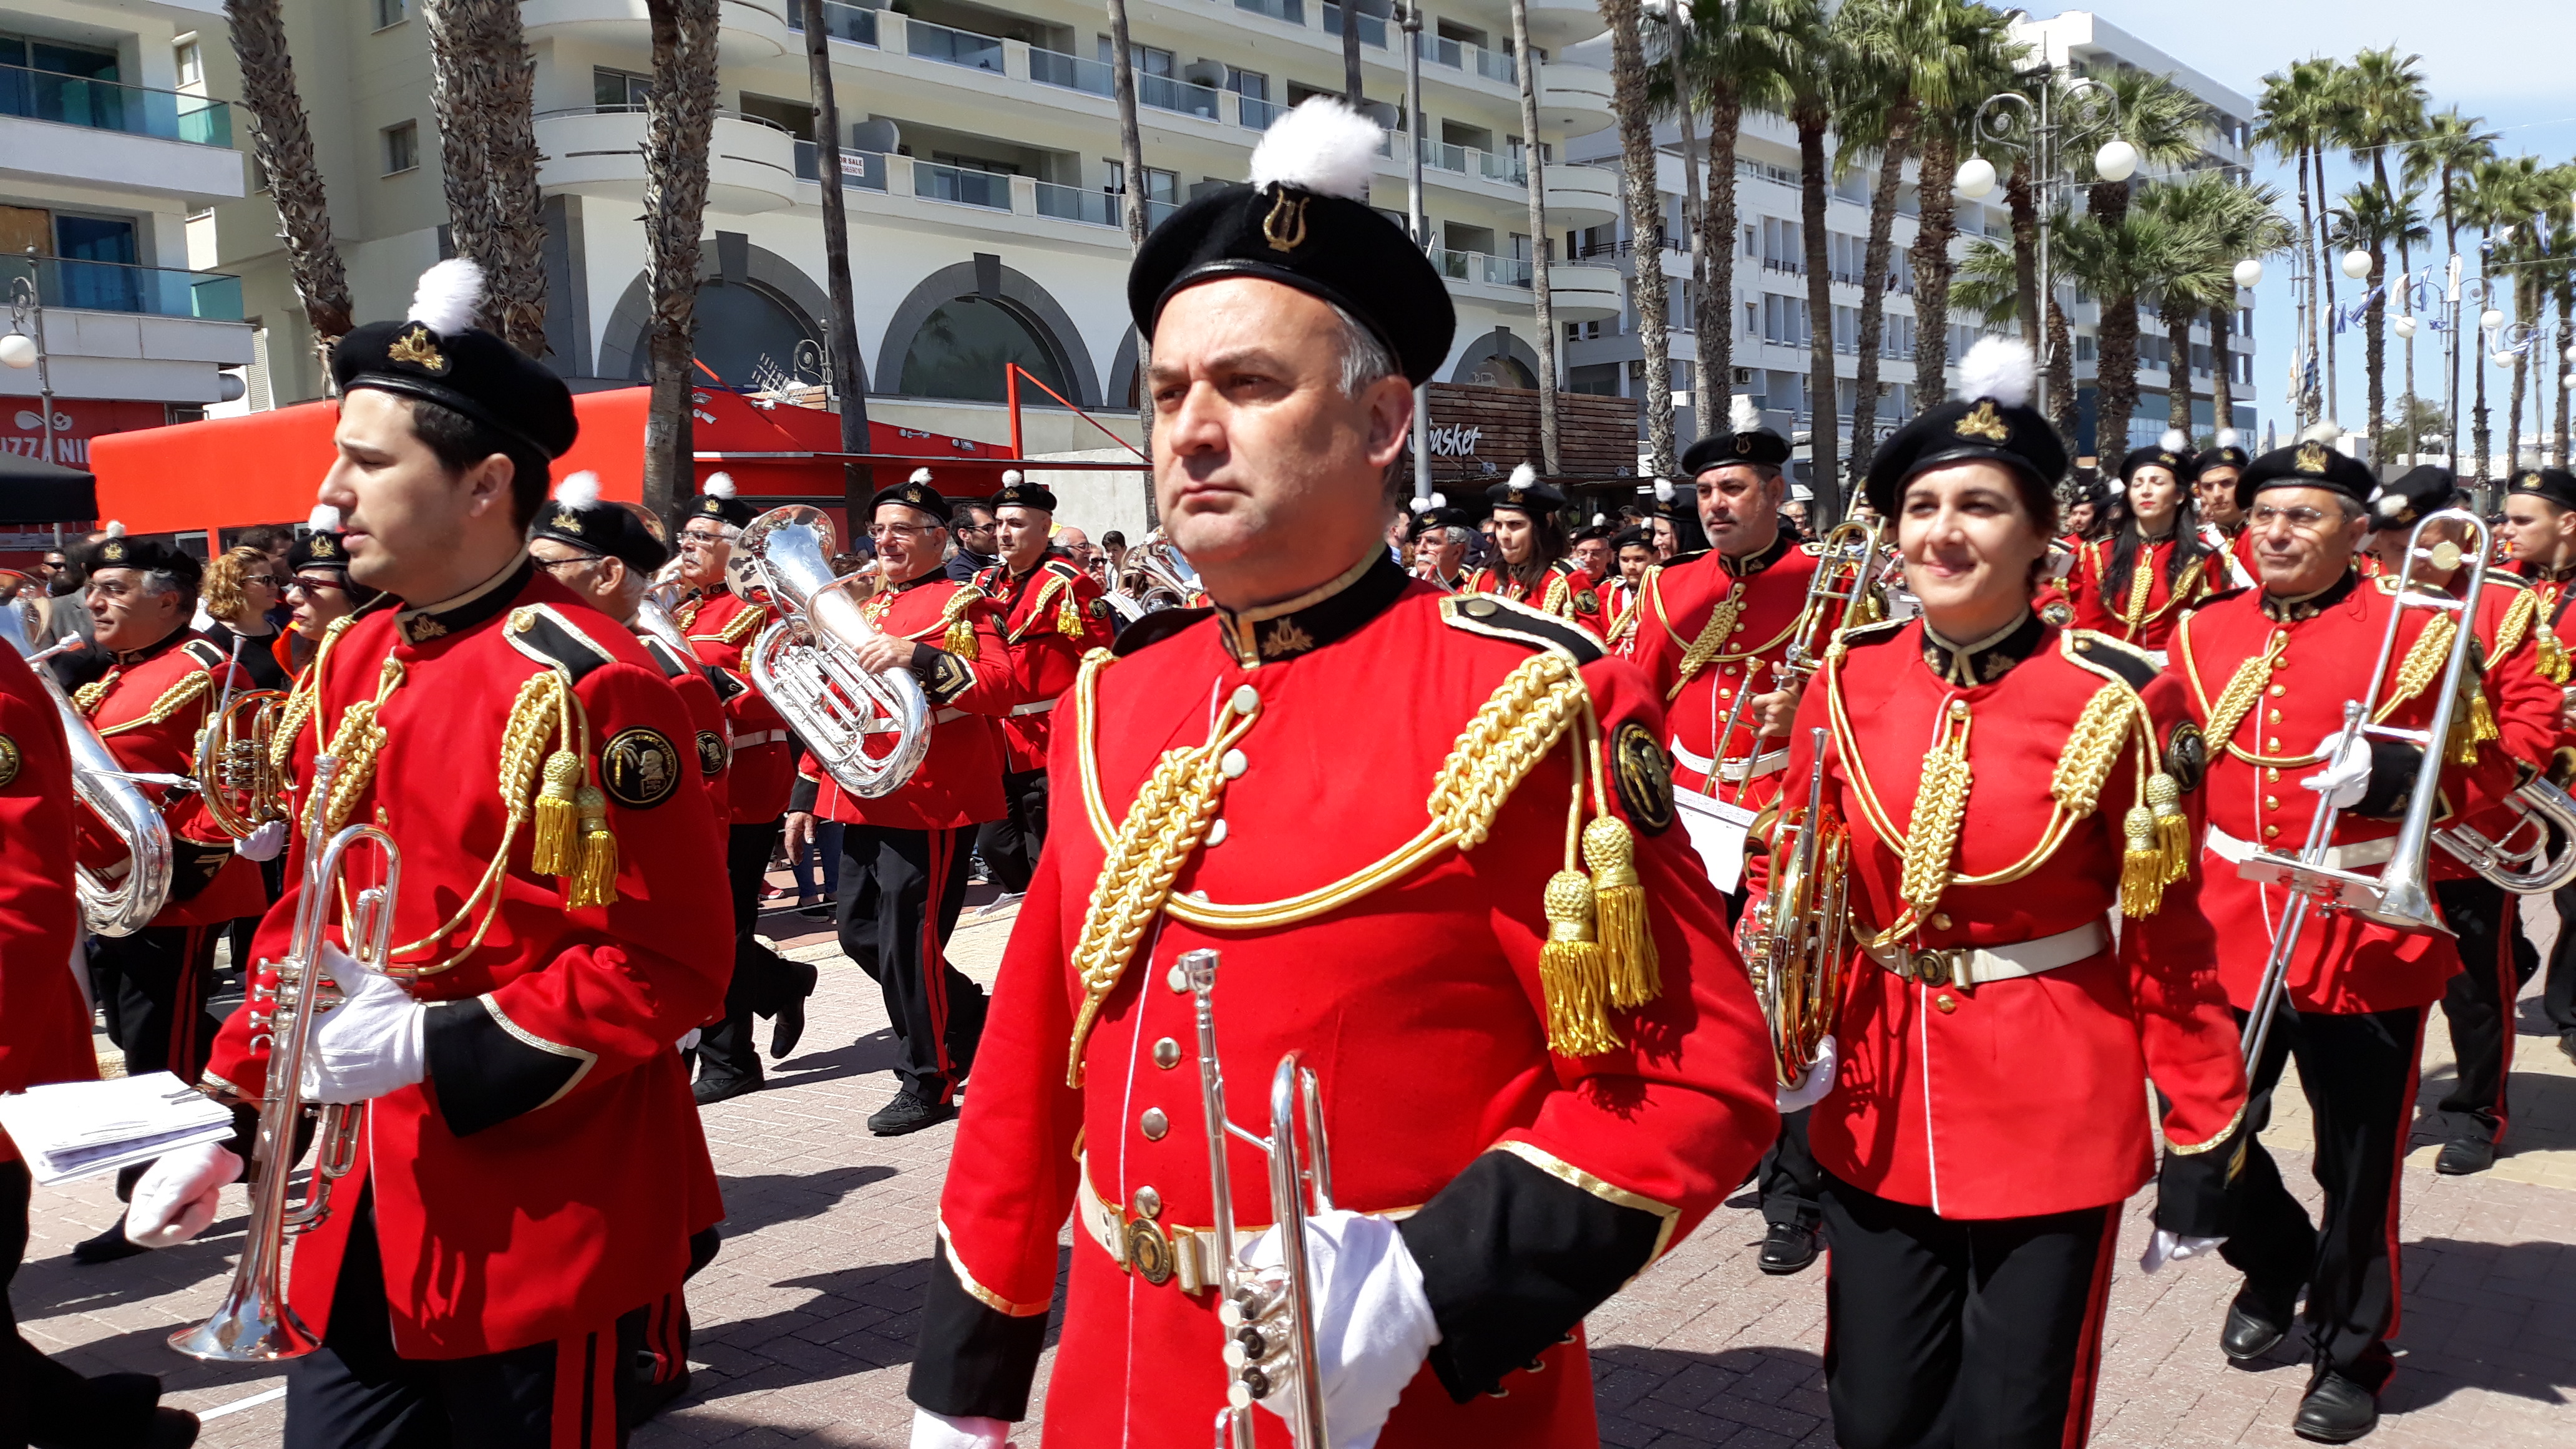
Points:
[[806, 1321]]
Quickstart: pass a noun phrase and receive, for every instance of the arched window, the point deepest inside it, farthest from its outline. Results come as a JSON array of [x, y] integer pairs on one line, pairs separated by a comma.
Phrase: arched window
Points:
[[748, 334], [1502, 371], [964, 343]]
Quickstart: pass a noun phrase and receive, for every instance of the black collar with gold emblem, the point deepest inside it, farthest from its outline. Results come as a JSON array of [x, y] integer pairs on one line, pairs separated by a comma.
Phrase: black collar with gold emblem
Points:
[[452, 616], [1745, 566], [127, 659], [1316, 618], [2308, 606], [1983, 661]]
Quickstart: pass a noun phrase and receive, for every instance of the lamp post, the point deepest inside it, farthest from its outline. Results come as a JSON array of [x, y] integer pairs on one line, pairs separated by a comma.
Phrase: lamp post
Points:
[[25, 345], [2064, 114], [1421, 221]]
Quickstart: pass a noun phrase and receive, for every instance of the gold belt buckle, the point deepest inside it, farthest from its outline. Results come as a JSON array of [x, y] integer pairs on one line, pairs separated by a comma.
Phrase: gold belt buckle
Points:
[[1938, 965], [1148, 1251]]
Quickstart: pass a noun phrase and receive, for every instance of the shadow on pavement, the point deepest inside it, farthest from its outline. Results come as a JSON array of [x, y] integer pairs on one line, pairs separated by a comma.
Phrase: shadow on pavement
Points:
[[874, 1052], [2489, 1347], [753, 1203], [1705, 1397], [55, 1284]]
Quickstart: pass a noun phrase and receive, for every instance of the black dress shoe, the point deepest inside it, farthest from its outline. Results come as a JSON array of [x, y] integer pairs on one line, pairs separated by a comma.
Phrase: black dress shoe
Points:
[[171, 1429], [908, 1113], [1788, 1248], [2256, 1324], [788, 1026], [2567, 1044], [710, 1090], [107, 1247], [2464, 1155], [2336, 1410]]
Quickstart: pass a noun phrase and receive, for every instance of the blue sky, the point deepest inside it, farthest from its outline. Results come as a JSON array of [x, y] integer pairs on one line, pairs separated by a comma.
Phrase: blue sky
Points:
[[2505, 60]]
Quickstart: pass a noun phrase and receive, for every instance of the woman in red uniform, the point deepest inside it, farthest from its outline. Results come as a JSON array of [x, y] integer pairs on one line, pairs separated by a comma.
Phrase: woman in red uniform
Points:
[[2133, 584], [2007, 785]]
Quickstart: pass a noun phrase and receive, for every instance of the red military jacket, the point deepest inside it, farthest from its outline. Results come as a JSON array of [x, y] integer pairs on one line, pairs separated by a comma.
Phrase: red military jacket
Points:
[[44, 1024], [1710, 627], [971, 686], [2014, 1097], [2283, 673], [2146, 622], [1048, 618], [2234, 568], [1407, 969], [1569, 593], [721, 627], [2549, 594], [696, 685], [547, 1174], [149, 707]]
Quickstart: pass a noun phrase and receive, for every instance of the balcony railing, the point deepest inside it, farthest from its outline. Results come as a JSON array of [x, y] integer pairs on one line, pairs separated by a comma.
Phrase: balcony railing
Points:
[[1372, 28], [1490, 270], [1164, 93], [1292, 11], [73, 100], [116, 287], [954, 47], [863, 169], [841, 22], [1258, 115], [1469, 161], [966, 186], [637, 108], [934, 182], [1072, 72]]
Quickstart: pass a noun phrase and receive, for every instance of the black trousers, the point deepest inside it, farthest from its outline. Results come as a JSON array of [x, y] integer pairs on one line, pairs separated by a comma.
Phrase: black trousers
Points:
[[901, 891], [1944, 1332], [152, 988], [1011, 844], [2358, 1072], [1789, 1179], [356, 1392], [2495, 962], [2558, 997], [759, 974], [41, 1402]]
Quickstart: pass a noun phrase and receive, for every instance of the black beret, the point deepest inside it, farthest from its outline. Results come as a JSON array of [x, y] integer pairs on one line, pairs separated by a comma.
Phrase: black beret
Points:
[[2016, 436], [1630, 538], [1523, 493], [2310, 464], [579, 517], [915, 492], [2421, 490], [437, 355], [717, 501], [1305, 223], [1018, 492], [149, 555], [2550, 485], [325, 551], [2175, 461], [1758, 446], [1431, 518], [2226, 455]]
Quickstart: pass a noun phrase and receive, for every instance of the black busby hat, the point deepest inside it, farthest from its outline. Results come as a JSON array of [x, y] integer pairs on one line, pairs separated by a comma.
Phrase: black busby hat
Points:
[[2172, 452], [579, 517], [717, 500], [2420, 490], [914, 492], [323, 550], [1523, 493], [2550, 485], [149, 555], [1995, 422], [1304, 221], [2311, 462], [1746, 441], [1018, 492], [436, 354], [2226, 451]]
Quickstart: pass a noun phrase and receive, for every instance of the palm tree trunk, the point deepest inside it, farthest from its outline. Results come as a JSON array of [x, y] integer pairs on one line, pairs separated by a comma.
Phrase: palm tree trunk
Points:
[[518, 207], [2307, 401], [1824, 468], [1132, 210], [2566, 339], [2478, 376], [1873, 284], [2375, 347], [460, 85], [857, 479], [1645, 224], [282, 141], [2061, 370], [2451, 351], [1938, 223], [2115, 377], [679, 119], [2024, 205], [1717, 224], [1351, 62], [2525, 312], [1702, 419], [2333, 406], [1542, 243], [2177, 320], [2222, 385], [2406, 393]]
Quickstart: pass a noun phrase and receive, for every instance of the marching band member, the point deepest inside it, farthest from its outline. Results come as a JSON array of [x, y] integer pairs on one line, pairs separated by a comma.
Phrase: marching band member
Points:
[[1635, 552], [2269, 671], [2540, 530], [531, 1166], [1049, 614], [318, 591], [2214, 473], [903, 862], [1559, 1141], [1440, 538], [2135, 583], [1973, 1220], [720, 625], [1530, 566]]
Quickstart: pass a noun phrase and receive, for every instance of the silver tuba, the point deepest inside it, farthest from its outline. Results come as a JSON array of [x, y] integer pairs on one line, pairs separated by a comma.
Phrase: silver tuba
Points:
[[123, 905], [802, 664], [1153, 577]]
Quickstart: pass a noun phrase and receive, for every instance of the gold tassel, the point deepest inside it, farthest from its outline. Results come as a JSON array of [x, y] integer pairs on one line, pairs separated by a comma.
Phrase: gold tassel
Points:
[[596, 883], [2470, 730], [1572, 973], [2142, 875], [555, 851], [1068, 615], [2173, 828], [1619, 904], [2552, 655], [960, 638]]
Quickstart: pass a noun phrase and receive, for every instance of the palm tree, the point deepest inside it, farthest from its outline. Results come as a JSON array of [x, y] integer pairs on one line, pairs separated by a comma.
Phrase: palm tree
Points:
[[1732, 58], [2122, 258], [1982, 54], [857, 479], [2372, 220], [2492, 198], [2383, 107], [2249, 225], [2196, 276], [679, 119], [1629, 82], [2163, 121], [1674, 32], [2451, 147], [1815, 64], [1542, 245], [2292, 123], [1990, 284], [481, 80], [282, 143], [1351, 58], [1132, 208]]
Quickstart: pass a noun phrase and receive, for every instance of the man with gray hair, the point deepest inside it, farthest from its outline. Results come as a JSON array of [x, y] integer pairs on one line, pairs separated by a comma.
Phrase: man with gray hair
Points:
[[1440, 539]]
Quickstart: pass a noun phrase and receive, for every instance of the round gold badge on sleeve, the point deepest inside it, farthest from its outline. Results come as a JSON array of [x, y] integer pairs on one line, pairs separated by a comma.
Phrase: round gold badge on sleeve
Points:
[[640, 768]]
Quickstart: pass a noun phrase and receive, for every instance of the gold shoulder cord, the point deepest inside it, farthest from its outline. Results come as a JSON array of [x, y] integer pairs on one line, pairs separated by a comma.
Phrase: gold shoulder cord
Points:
[[191, 687], [745, 623], [2525, 616], [2422, 665], [305, 697]]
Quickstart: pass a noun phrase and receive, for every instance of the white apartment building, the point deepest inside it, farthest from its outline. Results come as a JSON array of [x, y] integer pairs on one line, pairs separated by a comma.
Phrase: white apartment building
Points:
[[109, 145], [980, 166]]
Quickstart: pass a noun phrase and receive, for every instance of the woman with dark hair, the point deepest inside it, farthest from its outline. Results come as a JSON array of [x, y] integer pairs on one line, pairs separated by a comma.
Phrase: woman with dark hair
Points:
[[1530, 566], [2136, 583]]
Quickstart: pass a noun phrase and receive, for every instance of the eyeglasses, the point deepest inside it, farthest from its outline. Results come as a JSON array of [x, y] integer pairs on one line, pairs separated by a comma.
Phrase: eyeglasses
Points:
[[552, 564], [700, 537], [898, 530], [2301, 520], [308, 586]]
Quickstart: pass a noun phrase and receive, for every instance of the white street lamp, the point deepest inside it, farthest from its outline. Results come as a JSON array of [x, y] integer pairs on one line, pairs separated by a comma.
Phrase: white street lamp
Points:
[[18, 350], [1976, 178], [2116, 161], [2491, 319], [2249, 273], [2405, 326], [2356, 264]]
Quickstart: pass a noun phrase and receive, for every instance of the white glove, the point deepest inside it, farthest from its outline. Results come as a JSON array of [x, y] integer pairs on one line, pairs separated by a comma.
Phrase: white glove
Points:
[[263, 843], [1373, 1324], [2345, 780], [938, 1431], [370, 1043], [690, 1042], [1813, 1087], [2165, 1248], [176, 1196]]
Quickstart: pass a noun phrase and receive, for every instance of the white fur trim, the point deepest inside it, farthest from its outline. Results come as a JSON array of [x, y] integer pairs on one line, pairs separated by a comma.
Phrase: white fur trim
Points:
[[449, 295], [1663, 490], [2173, 441], [1323, 146]]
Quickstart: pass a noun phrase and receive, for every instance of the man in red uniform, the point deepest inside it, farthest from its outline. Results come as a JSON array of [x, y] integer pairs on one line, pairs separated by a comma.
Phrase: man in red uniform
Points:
[[1530, 566], [531, 1166], [2540, 529], [2214, 473], [1050, 614], [903, 857], [1427, 952], [1440, 537], [2269, 671], [721, 624]]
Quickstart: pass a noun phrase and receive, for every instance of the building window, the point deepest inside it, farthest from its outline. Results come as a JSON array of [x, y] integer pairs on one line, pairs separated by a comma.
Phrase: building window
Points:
[[1251, 85], [1160, 185], [402, 147], [191, 63], [390, 12], [962, 347], [620, 90]]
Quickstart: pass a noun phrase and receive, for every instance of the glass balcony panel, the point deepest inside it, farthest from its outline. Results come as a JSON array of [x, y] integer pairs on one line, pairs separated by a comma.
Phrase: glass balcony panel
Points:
[[990, 189], [860, 170], [1072, 72], [1257, 115], [840, 21], [954, 47], [1076, 203], [1372, 28], [1496, 66], [1164, 93], [71, 100], [117, 287], [1291, 11]]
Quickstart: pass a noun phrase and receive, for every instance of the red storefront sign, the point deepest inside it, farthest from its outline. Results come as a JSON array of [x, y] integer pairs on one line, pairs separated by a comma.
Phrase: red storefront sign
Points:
[[76, 421]]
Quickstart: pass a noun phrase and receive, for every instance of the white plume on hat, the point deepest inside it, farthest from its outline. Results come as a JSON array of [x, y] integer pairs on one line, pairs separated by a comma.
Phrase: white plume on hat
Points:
[[1420, 504], [1599, 519], [719, 485], [1523, 475], [1439, 499], [1010, 477], [1663, 490], [581, 490], [2001, 368], [448, 296], [116, 528], [1323, 146], [2173, 441], [325, 519], [2328, 431], [919, 475], [1743, 414], [2227, 437], [2385, 503]]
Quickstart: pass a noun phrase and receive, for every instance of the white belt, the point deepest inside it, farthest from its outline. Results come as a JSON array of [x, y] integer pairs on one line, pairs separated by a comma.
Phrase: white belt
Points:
[[756, 737], [1973, 966], [2338, 857], [887, 726], [1035, 706], [1733, 771]]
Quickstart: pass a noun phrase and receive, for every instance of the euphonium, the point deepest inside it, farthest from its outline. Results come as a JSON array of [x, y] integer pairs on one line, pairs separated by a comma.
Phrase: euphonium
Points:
[[255, 1323], [1801, 930], [123, 905], [802, 663], [2536, 856], [1155, 576]]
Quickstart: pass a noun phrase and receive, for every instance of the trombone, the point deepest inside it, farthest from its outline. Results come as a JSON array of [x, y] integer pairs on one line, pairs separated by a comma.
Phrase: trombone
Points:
[[1843, 578]]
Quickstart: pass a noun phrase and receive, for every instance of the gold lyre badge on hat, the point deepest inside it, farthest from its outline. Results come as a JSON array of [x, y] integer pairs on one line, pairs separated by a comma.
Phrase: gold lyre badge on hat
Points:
[[1285, 227], [2312, 457], [566, 519], [417, 346], [1984, 422], [1744, 443], [113, 553]]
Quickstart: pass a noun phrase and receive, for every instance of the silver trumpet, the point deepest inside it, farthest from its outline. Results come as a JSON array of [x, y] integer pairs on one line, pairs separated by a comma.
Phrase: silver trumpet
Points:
[[255, 1323], [1265, 1349], [802, 664], [110, 906]]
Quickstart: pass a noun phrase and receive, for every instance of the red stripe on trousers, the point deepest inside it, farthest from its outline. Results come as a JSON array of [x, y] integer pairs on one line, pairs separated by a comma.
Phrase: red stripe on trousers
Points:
[[585, 1406], [2397, 1177], [934, 966], [184, 1008], [2088, 1353]]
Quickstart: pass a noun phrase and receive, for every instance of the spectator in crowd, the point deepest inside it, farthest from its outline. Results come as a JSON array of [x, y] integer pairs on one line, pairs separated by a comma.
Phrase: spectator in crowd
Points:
[[242, 588], [974, 552]]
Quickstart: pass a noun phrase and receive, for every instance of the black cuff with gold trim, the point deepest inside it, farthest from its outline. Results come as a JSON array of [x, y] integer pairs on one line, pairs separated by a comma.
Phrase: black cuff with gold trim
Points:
[[943, 675], [483, 1074], [1512, 1259], [973, 1359], [802, 798]]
